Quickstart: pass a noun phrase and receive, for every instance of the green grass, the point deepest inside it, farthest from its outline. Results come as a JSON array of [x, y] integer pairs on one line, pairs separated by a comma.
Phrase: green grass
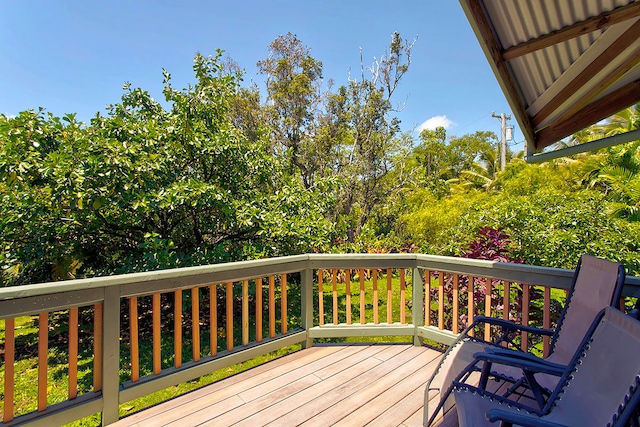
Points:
[[26, 369], [369, 304]]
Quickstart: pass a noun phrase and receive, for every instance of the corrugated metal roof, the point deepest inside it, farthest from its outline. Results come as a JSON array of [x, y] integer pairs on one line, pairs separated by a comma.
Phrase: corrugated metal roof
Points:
[[560, 59]]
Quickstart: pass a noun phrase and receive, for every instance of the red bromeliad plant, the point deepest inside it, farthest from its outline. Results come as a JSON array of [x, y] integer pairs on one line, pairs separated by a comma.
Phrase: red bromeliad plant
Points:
[[493, 245]]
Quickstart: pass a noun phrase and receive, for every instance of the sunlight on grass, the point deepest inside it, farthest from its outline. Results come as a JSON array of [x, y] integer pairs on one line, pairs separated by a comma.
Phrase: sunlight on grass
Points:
[[382, 300]]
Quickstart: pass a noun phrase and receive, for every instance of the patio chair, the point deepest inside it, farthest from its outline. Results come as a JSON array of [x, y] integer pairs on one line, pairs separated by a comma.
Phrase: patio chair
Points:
[[596, 283], [598, 388]]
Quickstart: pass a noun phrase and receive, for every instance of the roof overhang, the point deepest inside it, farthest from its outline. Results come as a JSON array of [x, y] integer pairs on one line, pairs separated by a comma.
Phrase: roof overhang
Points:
[[563, 65]]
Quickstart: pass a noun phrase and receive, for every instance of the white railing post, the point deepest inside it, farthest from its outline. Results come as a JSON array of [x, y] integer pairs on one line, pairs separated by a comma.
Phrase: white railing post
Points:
[[306, 303], [417, 303], [111, 355]]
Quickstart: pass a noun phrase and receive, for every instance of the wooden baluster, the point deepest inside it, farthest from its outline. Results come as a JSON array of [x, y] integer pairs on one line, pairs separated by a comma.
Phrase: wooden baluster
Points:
[[134, 333], [427, 298], [43, 359], [73, 353], [506, 303], [259, 309], [403, 297], [470, 304], [229, 306], [506, 300], [376, 319], [362, 305], [272, 307], [524, 345], [213, 319], [283, 303], [487, 306], [157, 339], [9, 369], [347, 278], [97, 346], [177, 328], [546, 321], [456, 304], [389, 296], [245, 312], [334, 284], [195, 323], [441, 300], [320, 298]]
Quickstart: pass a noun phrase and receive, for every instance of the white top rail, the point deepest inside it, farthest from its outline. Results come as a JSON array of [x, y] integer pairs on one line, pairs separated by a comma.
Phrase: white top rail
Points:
[[183, 278]]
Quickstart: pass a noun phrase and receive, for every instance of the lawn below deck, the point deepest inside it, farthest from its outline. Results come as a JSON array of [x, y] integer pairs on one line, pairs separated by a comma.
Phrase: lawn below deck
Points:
[[345, 384]]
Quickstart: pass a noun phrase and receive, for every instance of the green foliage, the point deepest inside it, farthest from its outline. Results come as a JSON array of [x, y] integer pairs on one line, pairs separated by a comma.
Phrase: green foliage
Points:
[[469, 160], [522, 179], [293, 80], [366, 140], [432, 152], [551, 217], [215, 173], [146, 188], [434, 223], [585, 227], [553, 229]]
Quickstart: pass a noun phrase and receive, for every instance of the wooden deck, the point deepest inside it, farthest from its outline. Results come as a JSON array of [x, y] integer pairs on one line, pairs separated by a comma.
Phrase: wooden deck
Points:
[[349, 385]]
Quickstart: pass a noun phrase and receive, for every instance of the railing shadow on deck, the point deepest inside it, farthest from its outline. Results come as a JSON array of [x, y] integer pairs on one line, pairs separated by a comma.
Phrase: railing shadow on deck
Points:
[[190, 322]]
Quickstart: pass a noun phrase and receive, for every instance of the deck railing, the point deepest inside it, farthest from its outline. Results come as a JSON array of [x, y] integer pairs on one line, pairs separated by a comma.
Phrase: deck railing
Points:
[[143, 332]]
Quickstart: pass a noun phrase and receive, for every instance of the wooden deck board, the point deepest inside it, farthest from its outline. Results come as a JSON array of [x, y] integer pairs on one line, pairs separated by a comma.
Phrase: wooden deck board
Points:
[[220, 390], [265, 407], [388, 396], [345, 385], [373, 384], [281, 411], [415, 419], [233, 415], [339, 402], [409, 407]]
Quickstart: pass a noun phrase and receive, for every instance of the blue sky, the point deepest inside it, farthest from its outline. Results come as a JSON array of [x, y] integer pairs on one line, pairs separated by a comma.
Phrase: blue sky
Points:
[[74, 56]]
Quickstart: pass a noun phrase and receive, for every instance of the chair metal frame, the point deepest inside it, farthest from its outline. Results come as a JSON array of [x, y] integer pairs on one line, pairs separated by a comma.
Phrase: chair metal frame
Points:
[[625, 414]]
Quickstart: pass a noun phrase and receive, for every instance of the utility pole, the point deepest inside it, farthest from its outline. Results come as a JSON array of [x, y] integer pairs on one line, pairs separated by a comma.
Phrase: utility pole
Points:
[[503, 138]]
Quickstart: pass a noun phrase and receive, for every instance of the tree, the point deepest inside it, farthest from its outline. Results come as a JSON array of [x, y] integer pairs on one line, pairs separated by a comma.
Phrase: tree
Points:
[[293, 80], [469, 160], [366, 143], [39, 189], [616, 169], [432, 154], [146, 187], [477, 148], [623, 121]]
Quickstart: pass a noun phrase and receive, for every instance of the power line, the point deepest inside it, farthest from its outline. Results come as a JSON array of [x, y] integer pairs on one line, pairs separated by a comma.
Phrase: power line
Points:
[[474, 122]]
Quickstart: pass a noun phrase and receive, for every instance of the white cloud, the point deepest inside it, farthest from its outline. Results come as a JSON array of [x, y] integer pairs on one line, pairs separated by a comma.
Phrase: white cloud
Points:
[[435, 122]]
